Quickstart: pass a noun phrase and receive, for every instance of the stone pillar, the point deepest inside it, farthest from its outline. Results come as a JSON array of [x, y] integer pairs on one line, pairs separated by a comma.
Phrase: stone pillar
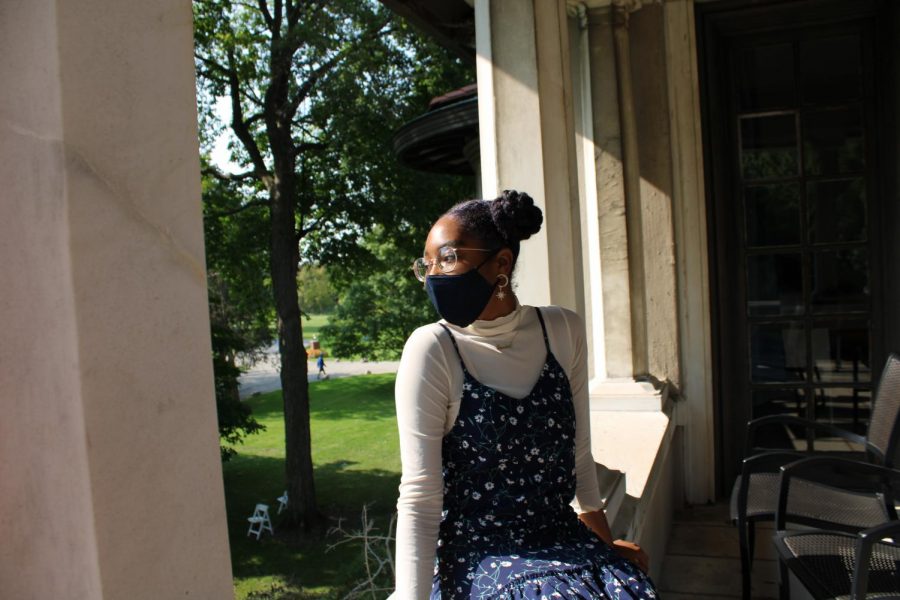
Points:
[[527, 142], [614, 231], [110, 479], [696, 412]]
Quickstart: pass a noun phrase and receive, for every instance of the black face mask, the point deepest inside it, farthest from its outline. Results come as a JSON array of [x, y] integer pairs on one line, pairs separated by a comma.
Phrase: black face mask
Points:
[[459, 299]]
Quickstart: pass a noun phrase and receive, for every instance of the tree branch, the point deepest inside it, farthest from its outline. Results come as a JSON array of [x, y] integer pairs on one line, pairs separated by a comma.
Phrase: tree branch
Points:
[[234, 211], [304, 231], [307, 146], [229, 176], [212, 63], [238, 124], [267, 16], [279, 13], [295, 7], [306, 87]]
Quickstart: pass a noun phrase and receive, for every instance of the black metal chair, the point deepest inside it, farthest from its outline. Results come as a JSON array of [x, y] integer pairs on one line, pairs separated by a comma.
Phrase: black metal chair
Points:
[[855, 551], [755, 492]]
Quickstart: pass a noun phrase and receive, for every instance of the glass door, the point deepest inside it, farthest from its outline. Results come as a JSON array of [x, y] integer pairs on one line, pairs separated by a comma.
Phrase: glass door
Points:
[[789, 144], [803, 180]]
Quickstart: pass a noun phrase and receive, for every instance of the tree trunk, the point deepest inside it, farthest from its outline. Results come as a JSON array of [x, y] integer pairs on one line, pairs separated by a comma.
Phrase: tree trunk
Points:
[[301, 509]]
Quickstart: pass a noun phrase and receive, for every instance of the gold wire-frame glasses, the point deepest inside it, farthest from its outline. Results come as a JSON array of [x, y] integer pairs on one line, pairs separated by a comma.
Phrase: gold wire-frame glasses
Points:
[[446, 261]]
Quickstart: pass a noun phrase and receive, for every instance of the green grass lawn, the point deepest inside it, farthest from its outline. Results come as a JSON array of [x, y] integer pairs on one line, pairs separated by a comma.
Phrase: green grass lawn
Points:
[[313, 325], [357, 461]]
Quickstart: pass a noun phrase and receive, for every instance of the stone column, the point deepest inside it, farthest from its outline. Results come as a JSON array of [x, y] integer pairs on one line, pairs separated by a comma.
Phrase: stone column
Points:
[[110, 479], [614, 231], [696, 412], [527, 143]]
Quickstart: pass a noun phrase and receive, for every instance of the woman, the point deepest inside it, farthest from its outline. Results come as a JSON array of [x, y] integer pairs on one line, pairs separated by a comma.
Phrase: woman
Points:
[[492, 408]]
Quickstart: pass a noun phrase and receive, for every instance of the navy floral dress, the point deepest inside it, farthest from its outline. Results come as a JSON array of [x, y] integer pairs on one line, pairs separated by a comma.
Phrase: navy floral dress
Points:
[[507, 529]]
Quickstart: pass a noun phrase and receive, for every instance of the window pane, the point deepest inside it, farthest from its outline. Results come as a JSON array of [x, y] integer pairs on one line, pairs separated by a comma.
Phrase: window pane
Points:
[[774, 284], [759, 85], [846, 407], [777, 352], [768, 147], [841, 351], [837, 210], [773, 214], [840, 280], [833, 142], [784, 401], [830, 70]]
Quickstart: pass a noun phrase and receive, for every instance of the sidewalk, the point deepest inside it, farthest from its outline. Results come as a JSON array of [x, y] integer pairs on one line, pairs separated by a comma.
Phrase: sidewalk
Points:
[[265, 376]]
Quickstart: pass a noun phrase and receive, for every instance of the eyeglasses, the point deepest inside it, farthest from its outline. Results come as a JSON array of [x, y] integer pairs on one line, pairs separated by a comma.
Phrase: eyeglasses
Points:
[[445, 262]]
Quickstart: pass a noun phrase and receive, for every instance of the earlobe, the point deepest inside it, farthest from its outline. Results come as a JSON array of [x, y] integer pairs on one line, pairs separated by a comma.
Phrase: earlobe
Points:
[[504, 262]]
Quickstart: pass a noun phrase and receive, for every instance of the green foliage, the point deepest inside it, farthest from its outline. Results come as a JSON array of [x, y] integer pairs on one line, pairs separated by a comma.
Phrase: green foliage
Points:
[[239, 302], [367, 72], [379, 306], [317, 295]]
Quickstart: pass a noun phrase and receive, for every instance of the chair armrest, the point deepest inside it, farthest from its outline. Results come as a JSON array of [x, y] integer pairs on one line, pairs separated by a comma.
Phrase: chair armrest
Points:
[[770, 461], [810, 426], [764, 462], [852, 475], [864, 545]]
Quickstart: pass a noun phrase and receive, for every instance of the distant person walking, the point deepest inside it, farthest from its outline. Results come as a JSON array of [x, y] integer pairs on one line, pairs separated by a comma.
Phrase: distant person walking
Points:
[[321, 364]]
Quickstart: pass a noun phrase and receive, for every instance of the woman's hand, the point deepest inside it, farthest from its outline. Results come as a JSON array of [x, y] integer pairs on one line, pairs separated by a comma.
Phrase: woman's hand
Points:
[[632, 552]]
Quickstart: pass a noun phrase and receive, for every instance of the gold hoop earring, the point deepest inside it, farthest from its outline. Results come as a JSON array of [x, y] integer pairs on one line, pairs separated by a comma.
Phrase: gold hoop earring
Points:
[[500, 293]]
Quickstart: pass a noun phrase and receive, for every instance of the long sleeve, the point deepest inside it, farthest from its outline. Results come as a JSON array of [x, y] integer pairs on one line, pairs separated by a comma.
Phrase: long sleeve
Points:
[[587, 492], [422, 399]]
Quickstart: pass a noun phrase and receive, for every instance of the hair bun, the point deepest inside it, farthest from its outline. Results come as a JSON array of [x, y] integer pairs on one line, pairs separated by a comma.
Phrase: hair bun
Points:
[[516, 216]]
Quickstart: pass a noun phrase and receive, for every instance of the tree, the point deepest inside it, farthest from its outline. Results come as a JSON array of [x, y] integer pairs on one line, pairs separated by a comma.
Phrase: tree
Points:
[[314, 90], [239, 301]]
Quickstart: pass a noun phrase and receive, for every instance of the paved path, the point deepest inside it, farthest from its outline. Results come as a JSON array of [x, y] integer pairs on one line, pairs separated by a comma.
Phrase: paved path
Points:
[[265, 376]]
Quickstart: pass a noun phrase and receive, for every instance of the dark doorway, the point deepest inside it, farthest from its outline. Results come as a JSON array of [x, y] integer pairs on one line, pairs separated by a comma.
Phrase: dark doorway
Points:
[[791, 122]]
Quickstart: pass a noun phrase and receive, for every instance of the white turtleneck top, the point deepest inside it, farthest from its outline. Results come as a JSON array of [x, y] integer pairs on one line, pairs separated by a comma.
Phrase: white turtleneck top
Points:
[[506, 354]]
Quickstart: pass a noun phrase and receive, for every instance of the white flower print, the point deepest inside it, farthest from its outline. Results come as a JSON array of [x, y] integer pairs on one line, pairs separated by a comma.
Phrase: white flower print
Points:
[[504, 484]]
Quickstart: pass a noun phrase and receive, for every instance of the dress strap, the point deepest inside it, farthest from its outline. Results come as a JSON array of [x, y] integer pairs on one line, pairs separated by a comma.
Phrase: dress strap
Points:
[[543, 330], [462, 363]]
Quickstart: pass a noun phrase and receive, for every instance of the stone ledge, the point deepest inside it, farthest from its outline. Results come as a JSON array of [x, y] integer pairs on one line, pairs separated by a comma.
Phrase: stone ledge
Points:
[[639, 444], [627, 395], [612, 491]]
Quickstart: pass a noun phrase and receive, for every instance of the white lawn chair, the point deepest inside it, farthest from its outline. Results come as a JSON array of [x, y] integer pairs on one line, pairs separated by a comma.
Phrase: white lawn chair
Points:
[[282, 502], [259, 521]]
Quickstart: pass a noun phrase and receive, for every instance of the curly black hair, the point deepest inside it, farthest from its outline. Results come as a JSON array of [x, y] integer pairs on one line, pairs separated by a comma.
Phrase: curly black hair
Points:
[[503, 222]]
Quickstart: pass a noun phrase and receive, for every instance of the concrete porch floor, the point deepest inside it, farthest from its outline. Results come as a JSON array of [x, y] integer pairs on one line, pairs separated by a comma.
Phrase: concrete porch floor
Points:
[[703, 561]]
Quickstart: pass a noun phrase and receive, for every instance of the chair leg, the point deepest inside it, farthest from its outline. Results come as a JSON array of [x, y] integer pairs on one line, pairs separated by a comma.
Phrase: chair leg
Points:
[[751, 541], [746, 558], [784, 584]]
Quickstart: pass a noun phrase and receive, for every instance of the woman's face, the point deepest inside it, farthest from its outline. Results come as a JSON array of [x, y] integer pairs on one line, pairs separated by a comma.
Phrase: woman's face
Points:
[[446, 232]]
